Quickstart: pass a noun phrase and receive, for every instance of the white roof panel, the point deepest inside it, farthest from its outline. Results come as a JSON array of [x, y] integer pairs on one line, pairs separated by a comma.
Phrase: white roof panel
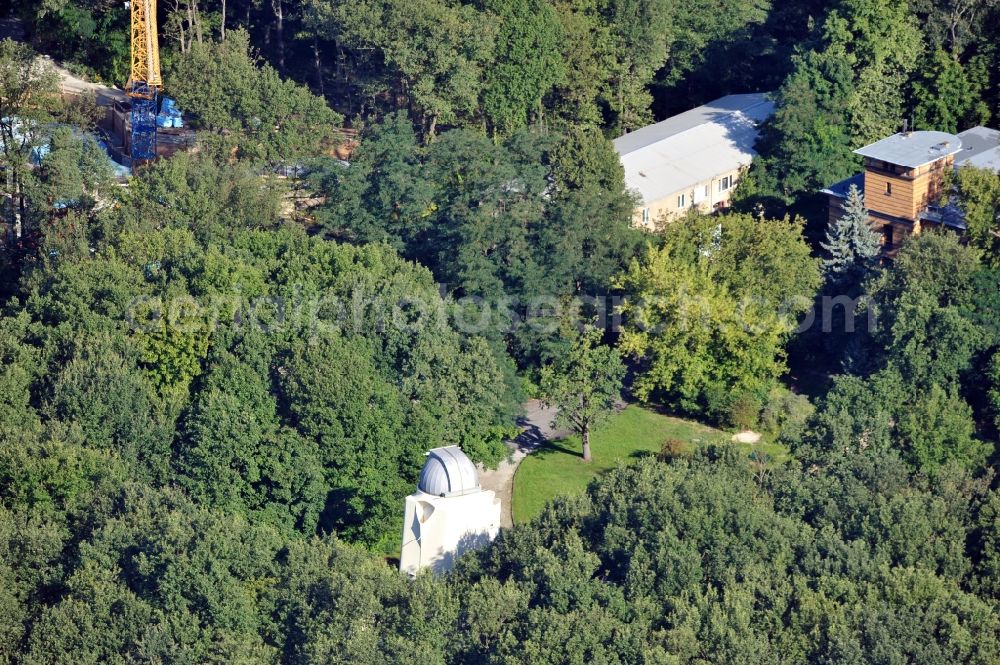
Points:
[[980, 148], [695, 146], [989, 159]]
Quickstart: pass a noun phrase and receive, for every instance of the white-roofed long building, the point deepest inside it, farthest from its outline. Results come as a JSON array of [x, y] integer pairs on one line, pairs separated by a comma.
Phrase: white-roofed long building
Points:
[[692, 159]]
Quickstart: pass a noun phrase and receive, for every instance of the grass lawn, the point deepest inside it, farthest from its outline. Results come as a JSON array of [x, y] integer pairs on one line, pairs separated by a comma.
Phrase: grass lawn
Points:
[[558, 468]]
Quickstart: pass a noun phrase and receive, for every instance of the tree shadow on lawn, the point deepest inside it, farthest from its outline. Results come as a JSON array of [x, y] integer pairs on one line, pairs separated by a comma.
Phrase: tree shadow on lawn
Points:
[[693, 420], [547, 448], [642, 454]]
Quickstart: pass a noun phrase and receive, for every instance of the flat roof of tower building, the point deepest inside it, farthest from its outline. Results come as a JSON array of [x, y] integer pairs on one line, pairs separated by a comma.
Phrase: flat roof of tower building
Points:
[[912, 149]]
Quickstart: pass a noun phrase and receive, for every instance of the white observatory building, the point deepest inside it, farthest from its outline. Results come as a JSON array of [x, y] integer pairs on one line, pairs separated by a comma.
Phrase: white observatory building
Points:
[[448, 514]]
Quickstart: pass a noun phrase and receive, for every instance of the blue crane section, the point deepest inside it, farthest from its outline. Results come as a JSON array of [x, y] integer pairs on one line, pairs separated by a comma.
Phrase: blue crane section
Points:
[[144, 81]]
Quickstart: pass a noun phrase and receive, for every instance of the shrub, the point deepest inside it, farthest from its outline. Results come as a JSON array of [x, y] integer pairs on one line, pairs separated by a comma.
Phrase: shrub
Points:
[[671, 449], [744, 411], [785, 413]]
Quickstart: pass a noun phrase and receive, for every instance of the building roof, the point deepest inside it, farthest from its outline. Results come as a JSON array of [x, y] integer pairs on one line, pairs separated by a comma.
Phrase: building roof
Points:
[[912, 149], [448, 472], [692, 147], [841, 188], [949, 215], [980, 148]]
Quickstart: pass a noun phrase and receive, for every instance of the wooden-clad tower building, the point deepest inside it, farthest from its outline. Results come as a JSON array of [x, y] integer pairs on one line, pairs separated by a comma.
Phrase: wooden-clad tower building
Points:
[[902, 182]]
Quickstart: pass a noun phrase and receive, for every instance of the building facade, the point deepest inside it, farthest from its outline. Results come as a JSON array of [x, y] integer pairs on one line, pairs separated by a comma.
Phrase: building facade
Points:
[[692, 160]]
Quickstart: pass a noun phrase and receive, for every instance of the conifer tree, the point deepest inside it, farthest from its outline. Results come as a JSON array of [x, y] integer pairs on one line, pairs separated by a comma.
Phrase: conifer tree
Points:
[[853, 248], [851, 243]]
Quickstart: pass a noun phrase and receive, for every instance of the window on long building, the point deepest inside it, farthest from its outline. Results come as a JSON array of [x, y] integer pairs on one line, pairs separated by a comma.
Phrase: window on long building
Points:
[[681, 200]]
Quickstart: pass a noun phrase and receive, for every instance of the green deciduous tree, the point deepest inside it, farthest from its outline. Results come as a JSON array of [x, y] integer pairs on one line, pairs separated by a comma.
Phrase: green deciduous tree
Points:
[[21, 364], [335, 604], [833, 565], [979, 199], [948, 96], [856, 415], [30, 549], [75, 172], [173, 346], [248, 104], [441, 58], [986, 545], [527, 63], [882, 42], [385, 194], [435, 53], [713, 53], [927, 303], [582, 158], [91, 34], [583, 385], [358, 421], [29, 96], [641, 33], [954, 23], [709, 313], [102, 389], [937, 427], [846, 91], [157, 575], [587, 47], [236, 456], [935, 322], [993, 390], [533, 217], [806, 144], [201, 195]]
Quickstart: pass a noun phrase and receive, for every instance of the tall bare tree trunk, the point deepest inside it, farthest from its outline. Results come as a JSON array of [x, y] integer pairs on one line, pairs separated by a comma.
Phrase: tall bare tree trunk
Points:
[[279, 15], [19, 208], [319, 68], [190, 14], [197, 20], [222, 24], [586, 443], [180, 25]]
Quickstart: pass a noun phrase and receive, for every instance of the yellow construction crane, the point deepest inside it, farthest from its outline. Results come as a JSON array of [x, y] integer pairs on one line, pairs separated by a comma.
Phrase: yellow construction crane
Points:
[[144, 80]]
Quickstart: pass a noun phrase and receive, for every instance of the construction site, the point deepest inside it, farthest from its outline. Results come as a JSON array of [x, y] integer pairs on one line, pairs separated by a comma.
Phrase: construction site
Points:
[[139, 124], [115, 124], [136, 124]]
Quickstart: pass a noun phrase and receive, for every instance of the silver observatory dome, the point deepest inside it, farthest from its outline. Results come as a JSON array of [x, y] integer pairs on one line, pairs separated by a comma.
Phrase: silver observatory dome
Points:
[[448, 472]]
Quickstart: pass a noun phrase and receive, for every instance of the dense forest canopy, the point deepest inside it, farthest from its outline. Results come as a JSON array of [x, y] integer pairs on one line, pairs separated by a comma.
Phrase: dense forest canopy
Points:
[[219, 380]]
